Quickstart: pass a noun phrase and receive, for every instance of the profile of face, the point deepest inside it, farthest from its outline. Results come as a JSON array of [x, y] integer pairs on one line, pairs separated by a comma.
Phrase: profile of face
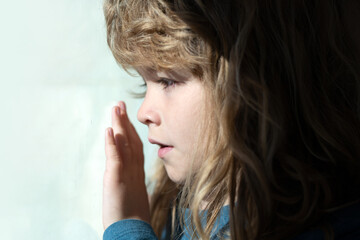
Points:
[[173, 110]]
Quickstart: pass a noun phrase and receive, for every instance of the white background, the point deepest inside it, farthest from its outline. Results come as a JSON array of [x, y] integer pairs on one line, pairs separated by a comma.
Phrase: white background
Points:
[[58, 83]]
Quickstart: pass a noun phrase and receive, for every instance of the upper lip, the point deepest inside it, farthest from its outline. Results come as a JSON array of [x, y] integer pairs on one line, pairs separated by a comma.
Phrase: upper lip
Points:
[[152, 141]]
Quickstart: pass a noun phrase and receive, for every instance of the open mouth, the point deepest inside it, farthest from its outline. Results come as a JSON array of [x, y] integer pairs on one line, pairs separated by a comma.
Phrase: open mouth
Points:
[[163, 146], [163, 150]]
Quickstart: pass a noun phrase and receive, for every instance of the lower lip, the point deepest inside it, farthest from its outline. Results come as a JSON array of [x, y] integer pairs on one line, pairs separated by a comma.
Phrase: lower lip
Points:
[[164, 150]]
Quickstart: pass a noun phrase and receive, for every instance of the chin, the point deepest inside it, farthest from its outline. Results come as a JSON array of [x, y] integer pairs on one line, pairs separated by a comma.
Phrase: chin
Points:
[[174, 174]]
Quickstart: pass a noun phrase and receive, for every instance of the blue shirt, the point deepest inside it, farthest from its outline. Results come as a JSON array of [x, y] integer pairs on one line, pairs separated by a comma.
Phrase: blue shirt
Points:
[[345, 222]]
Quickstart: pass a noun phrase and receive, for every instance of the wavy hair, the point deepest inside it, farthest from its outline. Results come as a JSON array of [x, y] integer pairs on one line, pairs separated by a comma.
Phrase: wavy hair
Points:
[[283, 82]]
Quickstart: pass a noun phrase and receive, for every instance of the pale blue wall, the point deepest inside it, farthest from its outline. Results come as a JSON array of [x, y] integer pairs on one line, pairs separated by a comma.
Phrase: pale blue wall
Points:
[[58, 84]]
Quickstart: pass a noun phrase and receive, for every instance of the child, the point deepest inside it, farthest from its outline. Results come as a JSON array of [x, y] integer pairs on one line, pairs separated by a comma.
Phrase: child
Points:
[[255, 106]]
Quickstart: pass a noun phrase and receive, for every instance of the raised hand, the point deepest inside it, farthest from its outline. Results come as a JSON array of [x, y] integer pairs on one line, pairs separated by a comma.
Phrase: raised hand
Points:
[[124, 190]]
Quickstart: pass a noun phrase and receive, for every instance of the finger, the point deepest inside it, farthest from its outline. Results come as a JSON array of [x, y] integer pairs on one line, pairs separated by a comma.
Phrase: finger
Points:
[[113, 161], [120, 133], [131, 132], [137, 148], [118, 124], [136, 144], [135, 135], [109, 139]]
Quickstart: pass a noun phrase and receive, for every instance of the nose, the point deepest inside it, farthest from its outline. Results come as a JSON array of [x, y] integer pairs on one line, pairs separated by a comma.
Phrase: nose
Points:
[[148, 112]]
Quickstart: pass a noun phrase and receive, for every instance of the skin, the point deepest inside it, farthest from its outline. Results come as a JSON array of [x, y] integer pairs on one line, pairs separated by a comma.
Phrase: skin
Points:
[[171, 109], [124, 190]]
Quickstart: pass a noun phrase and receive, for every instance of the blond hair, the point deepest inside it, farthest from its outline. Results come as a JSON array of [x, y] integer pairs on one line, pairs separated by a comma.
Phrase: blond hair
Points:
[[284, 84]]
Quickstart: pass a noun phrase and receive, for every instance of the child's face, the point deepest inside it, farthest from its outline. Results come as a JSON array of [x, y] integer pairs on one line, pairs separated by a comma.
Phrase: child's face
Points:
[[172, 109]]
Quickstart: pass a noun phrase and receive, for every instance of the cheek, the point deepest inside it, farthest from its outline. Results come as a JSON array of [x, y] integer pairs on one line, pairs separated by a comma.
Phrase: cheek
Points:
[[186, 128], [183, 118], [189, 112]]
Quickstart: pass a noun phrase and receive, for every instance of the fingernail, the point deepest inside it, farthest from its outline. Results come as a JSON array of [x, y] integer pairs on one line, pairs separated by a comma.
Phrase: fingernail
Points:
[[118, 111], [109, 132], [122, 106]]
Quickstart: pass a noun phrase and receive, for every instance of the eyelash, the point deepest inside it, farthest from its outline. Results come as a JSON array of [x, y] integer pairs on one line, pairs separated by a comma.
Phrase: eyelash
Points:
[[163, 81], [166, 82]]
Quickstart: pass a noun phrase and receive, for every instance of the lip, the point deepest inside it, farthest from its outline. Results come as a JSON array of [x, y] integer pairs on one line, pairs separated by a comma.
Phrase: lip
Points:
[[152, 141], [163, 151], [164, 148]]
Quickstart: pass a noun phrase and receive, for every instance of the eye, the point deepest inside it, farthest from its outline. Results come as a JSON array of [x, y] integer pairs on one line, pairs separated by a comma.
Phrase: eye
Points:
[[166, 82]]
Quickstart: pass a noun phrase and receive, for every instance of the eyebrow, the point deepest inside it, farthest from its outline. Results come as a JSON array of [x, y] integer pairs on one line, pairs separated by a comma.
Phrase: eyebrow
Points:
[[180, 74], [176, 75]]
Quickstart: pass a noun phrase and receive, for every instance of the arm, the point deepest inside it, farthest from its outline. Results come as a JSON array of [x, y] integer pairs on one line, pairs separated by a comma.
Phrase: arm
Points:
[[129, 229]]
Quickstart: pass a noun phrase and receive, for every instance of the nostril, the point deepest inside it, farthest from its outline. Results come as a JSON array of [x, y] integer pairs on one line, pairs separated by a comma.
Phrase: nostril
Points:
[[143, 117], [148, 115], [147, 120]]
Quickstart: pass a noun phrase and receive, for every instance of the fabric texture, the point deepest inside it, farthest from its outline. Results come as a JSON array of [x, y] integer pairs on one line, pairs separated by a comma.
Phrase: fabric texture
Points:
[[345, 223], [129, 229]]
